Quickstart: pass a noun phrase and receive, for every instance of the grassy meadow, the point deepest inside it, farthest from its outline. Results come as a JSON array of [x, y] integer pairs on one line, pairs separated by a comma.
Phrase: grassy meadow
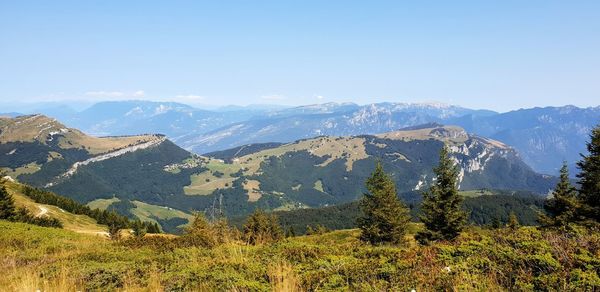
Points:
[[524, 259]]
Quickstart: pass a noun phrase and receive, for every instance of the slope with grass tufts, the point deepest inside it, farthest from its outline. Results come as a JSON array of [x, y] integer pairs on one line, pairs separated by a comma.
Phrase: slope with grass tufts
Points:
[[523, 259], [70, 221]]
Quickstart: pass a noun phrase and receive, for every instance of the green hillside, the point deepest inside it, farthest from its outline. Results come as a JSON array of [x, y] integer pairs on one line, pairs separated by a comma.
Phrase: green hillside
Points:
[[116, 172], [70, 221]]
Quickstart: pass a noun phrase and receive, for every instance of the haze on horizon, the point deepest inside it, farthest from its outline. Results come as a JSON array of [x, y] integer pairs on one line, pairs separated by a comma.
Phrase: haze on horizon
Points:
[[499, 56]]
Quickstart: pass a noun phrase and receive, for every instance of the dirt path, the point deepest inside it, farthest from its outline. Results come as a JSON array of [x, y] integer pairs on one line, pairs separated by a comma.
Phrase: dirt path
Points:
[[43, 211]]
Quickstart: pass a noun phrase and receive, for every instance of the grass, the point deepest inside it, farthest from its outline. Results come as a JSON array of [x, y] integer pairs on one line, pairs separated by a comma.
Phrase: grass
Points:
[[525, 259], [206, 182], [349, 148], [30, 128], [148, 212], [72, 222], [27, 169], [424, 134], [319, 186], [475, 193], [102, 204]]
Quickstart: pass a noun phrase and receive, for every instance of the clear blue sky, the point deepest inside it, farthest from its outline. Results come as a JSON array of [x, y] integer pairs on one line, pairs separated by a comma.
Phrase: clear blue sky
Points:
[[500, 54]]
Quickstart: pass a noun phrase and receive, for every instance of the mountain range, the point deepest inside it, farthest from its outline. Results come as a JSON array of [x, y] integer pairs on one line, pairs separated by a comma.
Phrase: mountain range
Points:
[[543, 137], [149, 177]]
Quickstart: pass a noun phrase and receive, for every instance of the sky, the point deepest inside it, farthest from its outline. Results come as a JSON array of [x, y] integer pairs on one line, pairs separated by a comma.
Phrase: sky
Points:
[[500, 55]]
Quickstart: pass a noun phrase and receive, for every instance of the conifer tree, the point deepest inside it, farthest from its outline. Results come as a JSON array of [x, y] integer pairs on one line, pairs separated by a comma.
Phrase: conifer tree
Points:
[[562, 208], [385, 218], [114, 230], [139, 228], [290, 232], [201, 232], [262, 228], [442, 214], [156, 228], [589, 178], [7, 205], [513, 221]]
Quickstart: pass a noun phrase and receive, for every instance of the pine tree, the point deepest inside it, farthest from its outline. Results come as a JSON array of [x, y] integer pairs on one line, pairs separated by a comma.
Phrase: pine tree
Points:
[[290, 232], [385, 218], [513, 221], [309, 230], [114, 231], [201, 232], [442, 214], [589, 178], [7, 205], [262, 228], [562, 208], [139, 229]]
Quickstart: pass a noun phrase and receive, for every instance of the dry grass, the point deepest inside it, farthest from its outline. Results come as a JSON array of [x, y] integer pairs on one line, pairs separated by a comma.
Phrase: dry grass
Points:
[[39, 127], [526, 259], [77, 223], [457, 134], [102, 204], [206, 182], [252, 188], [349, 148], [283, 278], [34, 280]]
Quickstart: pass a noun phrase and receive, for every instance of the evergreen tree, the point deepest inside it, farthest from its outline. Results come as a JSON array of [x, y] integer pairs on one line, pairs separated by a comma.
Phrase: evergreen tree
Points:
[[589, 178], [139, 229], [290, 232], [385, 218], [495, 223], [442, 214], [262, 228], [562, 208], [201, 232], [309, 230], [513, 221], [114, 231], [7, 205]]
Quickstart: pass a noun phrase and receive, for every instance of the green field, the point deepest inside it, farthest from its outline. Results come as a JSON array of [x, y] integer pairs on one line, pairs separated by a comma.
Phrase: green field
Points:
[[102, 204], [208, 181], [148, 212], [476, 193]]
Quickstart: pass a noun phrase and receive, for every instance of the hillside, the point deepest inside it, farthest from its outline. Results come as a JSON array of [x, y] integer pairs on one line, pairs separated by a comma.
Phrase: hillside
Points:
[[42, 152], [525, 259], [151, 178], [70, 221], [544, 137]]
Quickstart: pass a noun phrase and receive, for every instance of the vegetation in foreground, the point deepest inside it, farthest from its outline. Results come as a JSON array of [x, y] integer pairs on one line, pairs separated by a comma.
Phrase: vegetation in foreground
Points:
[[525, 258]]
